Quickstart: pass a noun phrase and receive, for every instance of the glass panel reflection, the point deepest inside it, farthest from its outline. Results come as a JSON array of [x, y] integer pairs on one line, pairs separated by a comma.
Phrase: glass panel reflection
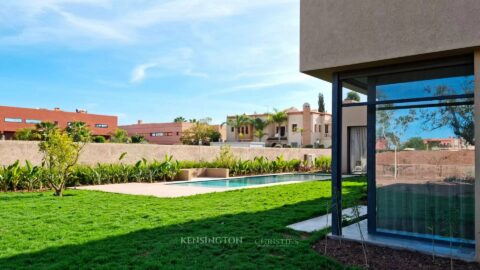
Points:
[[425, 172], [456, 80]]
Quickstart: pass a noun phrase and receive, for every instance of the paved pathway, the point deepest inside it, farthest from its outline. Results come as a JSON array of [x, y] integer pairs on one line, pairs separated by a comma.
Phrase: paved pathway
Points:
[[322, 222]]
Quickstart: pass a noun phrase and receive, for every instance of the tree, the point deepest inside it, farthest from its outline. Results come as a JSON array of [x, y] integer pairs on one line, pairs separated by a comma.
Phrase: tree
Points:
[[237, 123], [179, 119], [259, 125], [27, 134], [321, 103], [138, 139], [199, 134], [60, 155], [120, 136], [215, 136], [278, 118], [99, 139], [353, 96], [79, 132], [460, 118], [45, 128], [416, 143]]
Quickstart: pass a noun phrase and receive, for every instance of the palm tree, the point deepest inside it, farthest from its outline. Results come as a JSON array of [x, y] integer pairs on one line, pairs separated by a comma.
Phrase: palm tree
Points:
[[45, 128], [278, 118], [79, 132], [179, 119], [120, 136], [237, 123], [259, 125]]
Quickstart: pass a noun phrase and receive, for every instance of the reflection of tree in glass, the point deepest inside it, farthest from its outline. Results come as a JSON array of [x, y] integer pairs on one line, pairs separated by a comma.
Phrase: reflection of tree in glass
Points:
[[416, 143], [459, 118], [391, 127]]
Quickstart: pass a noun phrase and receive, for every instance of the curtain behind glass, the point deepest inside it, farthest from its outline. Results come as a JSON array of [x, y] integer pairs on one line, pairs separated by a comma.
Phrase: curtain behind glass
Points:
[[358, 149]]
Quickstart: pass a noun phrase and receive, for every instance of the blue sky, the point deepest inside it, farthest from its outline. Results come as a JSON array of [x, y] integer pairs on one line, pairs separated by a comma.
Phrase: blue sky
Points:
[[154, 60]]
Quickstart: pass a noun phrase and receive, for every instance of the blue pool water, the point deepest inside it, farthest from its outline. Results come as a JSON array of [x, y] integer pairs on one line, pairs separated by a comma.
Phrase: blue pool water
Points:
[[254, 180]]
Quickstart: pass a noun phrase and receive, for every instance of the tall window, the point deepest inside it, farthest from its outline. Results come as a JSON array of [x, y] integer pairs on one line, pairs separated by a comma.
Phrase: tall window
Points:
[[294, 127], [425, 158], [326, 129]]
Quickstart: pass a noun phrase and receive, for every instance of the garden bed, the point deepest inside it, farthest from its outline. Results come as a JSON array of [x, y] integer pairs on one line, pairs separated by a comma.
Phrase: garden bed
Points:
[[351, 253]]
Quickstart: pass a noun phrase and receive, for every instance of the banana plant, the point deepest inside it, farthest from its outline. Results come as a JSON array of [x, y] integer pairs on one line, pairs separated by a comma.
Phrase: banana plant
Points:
[[3, 179], [14, 174], [31, 176]]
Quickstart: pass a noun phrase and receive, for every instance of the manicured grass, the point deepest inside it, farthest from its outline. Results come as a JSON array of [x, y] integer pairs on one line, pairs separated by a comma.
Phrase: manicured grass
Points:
[[95, 230]]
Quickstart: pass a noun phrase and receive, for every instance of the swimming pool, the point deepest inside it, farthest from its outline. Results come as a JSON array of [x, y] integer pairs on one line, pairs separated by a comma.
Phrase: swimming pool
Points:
[[254, 180]]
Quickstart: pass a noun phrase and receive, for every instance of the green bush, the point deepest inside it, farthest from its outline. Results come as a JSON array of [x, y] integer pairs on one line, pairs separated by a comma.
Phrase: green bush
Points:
[[323, 163], [99, 139]]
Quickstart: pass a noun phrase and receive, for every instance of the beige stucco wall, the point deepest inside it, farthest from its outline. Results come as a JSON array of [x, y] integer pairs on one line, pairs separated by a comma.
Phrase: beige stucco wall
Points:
[[10, 151], [342, 34], [295, 136], [352, 116]]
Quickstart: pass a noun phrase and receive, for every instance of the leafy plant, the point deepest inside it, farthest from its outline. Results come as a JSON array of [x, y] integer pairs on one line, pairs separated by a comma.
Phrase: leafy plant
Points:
[[14, 174], [138, 139], [61, 153], [79, 132], [99, 139], [27, 134], [120, 136], [31, 176]]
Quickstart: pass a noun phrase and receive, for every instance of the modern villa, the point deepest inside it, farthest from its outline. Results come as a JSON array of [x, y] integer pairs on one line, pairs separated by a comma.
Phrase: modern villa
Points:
[[164, 133], [14, 118], [418, 63], [305, 127]]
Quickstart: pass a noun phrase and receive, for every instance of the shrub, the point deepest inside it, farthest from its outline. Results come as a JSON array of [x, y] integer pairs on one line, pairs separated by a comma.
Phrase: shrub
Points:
[[119, 136], [79, 132], [99, 139], [323, 163], [60, 154], [29, 177], [308, 146], [138, 139], [225, 158], [27, 134]]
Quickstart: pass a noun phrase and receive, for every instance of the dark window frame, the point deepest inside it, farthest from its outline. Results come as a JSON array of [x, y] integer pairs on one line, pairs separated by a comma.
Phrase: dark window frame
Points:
[[338, 80]]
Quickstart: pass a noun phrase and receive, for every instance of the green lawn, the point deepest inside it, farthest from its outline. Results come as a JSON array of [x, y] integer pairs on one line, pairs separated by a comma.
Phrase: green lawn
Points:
[[95, 230]]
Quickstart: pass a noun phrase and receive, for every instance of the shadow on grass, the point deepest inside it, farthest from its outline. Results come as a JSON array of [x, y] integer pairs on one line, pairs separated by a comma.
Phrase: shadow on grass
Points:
[[242, 241]]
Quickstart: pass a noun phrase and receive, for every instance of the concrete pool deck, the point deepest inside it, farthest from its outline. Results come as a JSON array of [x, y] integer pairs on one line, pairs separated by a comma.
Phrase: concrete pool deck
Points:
[[162, 190], [170, 190]]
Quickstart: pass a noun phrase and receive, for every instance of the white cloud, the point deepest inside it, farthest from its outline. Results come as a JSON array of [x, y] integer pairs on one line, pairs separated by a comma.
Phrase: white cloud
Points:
[[71, 21], [178, 61], [139, 72]]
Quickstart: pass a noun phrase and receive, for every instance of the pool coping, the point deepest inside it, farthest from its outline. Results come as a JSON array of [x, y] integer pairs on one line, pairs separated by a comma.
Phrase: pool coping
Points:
[[168, 190], [204, 179]]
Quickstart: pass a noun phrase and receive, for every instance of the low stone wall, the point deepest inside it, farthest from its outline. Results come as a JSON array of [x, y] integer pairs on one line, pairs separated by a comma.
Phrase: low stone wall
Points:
[[10, 151]]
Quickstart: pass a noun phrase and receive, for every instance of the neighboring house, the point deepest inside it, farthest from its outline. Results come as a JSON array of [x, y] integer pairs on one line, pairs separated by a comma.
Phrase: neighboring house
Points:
[[306, 127], [15, 118], [164, 133], [409, 58], [446, 143]]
